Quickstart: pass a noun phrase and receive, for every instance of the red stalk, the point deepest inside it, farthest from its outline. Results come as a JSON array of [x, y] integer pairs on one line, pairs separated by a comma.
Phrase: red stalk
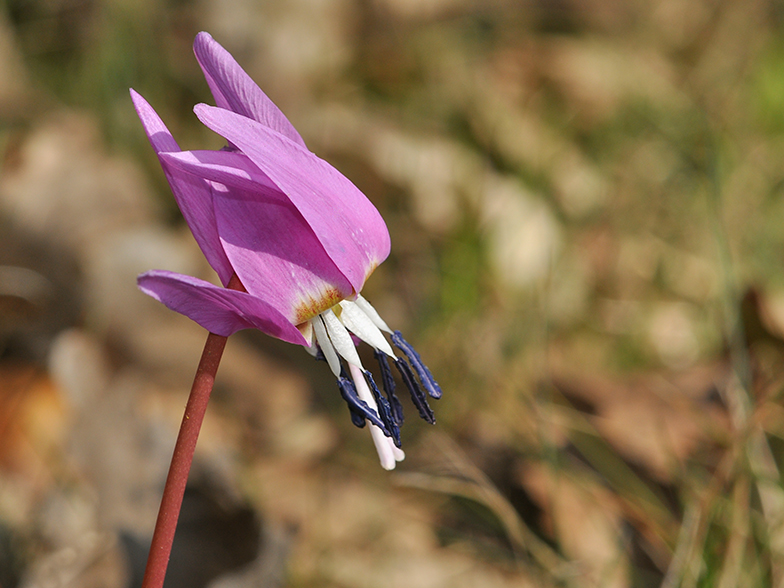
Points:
[[173, 491]]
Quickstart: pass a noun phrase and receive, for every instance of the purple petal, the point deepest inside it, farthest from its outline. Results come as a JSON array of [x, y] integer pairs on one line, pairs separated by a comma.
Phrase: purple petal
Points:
[[217, 309], [347, 224], [277, 256], [225, 167], [275, 253], [234, 90], [193, 194]]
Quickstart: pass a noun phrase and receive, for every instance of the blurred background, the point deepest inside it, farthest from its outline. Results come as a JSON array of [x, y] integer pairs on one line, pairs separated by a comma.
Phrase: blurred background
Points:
[[586, 209]]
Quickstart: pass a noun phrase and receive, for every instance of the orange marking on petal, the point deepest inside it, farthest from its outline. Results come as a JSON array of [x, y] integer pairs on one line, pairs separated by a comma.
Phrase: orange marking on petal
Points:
[[311, 307]]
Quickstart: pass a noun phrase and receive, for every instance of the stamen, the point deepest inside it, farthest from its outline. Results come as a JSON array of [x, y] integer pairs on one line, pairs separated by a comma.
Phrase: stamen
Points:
[[363, 327], [384, 409], [340, 338], [372, 313], [357, 407], [326, 345], [424, 374], [417, 395], [389, 386]]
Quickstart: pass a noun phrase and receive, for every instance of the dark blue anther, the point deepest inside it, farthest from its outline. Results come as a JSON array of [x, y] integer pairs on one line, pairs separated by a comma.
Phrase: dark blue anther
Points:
[[418, 397], [424, 374], [358, 407], [348, 392], [389, 386], [384, 409], [357, 419], [386, 373]]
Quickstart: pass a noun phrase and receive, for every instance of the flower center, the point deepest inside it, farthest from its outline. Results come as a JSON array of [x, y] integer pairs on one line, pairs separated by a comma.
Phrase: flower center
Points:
[[311, 307]]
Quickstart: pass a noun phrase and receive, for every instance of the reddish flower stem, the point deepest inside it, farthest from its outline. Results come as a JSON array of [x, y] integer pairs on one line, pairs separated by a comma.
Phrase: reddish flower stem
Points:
[[174, 490]]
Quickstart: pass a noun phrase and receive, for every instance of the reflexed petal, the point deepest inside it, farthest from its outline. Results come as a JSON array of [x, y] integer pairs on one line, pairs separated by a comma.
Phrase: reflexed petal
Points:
[[347, 224], [276, 255], [234, 90], [193, 194], [219, 310], [226, 167], [160, 137]]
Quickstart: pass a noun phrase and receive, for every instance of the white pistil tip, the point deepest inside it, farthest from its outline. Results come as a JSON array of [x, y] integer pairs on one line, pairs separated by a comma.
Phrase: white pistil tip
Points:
[[388, 454], [385, 457]]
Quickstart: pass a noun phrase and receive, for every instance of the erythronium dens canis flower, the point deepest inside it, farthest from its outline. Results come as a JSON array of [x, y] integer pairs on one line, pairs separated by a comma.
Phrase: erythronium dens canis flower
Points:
[[301, 238]]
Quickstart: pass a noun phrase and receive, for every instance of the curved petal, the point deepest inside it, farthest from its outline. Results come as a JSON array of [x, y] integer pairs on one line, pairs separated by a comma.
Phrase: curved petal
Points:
[[231, 168], [275, 253], [217, 309], [234, 89], [348, 226], [193, 194]]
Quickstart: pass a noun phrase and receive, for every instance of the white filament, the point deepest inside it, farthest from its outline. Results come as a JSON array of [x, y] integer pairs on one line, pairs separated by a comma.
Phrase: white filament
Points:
[[359, 323], [326, 345], [340, 338], [372, 313]]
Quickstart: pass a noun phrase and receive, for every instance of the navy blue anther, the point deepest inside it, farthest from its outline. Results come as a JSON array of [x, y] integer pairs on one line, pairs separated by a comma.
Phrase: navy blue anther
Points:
[[418, 397], [357, 419], [348, 392], [424, 374], [384, 409], [358, 407], [386, 373], [389, 385]]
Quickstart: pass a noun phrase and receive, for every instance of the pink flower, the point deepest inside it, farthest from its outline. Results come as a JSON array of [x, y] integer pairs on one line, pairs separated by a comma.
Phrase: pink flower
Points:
[[298, 234]]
